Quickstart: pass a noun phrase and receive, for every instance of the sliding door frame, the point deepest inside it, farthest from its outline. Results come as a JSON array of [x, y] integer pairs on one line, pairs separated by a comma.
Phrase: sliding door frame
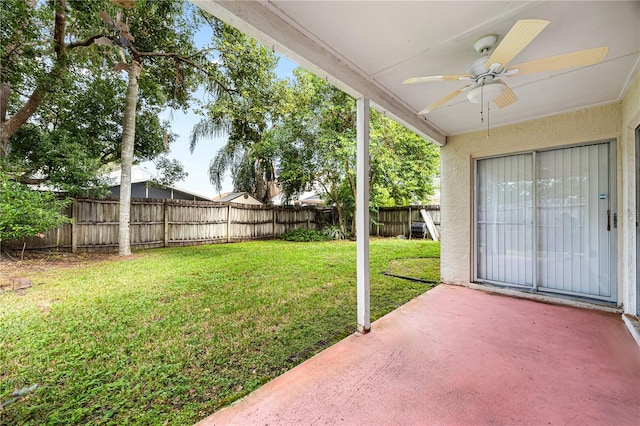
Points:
[[613, 246]]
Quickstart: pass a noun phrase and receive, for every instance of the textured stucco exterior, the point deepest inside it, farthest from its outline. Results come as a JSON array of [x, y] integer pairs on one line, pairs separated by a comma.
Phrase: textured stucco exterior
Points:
[[627, 189], [616, 121]]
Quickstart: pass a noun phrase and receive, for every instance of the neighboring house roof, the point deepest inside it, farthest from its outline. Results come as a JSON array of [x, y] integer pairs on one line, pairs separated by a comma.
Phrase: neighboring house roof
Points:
[[313, 199], [277, 200], [305, 198], [238, 197], [140, 174]]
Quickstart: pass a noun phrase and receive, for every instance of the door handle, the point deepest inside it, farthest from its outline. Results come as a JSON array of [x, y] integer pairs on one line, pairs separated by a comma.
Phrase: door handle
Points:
[[615, 219], [608, 220]]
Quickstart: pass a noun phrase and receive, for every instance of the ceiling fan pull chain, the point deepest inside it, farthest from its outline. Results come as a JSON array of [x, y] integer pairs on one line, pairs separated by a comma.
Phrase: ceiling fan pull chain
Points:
[[482, 102], [488, 119]]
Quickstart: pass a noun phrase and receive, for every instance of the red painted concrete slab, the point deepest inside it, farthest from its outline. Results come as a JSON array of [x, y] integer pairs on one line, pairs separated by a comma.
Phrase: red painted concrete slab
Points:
[[460, 356]]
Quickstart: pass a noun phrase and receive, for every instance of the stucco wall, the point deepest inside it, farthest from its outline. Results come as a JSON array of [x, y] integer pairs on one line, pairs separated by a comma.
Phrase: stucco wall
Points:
[[627, 189], [457, 156]]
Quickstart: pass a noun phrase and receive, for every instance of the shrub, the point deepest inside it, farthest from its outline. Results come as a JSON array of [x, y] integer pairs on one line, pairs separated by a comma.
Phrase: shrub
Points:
[[27, 213], [304, 235], [333, 232]]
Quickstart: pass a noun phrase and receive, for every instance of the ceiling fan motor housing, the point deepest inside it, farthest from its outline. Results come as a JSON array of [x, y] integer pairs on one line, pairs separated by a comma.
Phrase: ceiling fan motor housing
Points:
[[478, 67]]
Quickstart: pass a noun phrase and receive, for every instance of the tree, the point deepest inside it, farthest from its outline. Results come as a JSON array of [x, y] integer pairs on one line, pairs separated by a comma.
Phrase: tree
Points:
[[404, 165], [317, 146], [254, 105], [55, 73], [317, 142], [62, 108], [165, 42]]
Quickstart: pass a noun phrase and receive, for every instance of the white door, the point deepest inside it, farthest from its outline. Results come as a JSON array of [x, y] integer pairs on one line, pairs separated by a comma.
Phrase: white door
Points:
[[555, 236]]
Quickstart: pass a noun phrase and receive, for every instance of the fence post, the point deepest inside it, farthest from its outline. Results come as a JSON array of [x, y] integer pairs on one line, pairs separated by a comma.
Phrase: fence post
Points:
[[378, 223], [273, 220], [229, 223], [308, 217], [166, 224], [74, 226], [409, 222]]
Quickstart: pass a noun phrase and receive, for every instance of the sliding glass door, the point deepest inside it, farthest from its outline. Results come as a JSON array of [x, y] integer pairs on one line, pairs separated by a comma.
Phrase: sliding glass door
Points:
[[544, 220], [504, 229]]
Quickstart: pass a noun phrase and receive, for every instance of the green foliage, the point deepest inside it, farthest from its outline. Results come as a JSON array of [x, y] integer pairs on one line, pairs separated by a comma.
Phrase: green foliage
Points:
[[27, 213], [333, 232], [404, 166], [168, 172], [172, 335], [77, 128], [253, 105], [317, 149], [305, 235]]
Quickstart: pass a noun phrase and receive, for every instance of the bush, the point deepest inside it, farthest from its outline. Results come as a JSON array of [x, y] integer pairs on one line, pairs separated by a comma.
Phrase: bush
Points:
[[304, 235], [333, 232], [27, 213]]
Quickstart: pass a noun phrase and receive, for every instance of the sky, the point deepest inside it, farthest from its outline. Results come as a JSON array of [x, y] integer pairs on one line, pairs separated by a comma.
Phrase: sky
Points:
[[197, 164]]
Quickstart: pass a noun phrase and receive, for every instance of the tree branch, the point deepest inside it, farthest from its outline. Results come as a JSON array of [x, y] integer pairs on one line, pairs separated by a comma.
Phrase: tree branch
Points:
[[29, 180], [180, 58], [83, 43]]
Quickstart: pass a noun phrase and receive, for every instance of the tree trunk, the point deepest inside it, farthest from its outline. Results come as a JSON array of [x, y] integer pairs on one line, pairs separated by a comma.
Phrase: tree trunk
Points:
[[128, 137], [341, 219], [259, 180]]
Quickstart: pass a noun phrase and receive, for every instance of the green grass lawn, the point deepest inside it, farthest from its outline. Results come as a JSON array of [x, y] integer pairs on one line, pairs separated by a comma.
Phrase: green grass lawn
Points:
[[171, 335]]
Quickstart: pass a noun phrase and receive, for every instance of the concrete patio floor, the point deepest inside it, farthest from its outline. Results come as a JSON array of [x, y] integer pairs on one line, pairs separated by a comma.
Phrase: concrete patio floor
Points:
[[455, 355]]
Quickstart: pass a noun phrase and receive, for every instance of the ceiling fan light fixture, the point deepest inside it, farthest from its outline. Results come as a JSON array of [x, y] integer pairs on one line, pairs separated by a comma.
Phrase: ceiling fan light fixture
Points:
[[488, 92]]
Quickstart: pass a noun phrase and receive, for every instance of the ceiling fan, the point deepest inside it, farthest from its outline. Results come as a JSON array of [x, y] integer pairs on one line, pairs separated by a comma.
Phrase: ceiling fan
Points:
[[484, 72]]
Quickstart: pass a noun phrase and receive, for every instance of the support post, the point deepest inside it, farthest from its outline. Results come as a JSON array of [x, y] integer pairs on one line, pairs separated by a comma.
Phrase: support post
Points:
[[362, 215], [409, 222]]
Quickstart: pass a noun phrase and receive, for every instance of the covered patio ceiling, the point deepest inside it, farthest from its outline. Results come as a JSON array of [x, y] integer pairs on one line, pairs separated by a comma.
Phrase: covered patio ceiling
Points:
[[369, 48]]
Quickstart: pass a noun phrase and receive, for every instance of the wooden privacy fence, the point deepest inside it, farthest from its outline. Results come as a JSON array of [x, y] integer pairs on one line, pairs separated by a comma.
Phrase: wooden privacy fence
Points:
[[393, 221], [169, 223]]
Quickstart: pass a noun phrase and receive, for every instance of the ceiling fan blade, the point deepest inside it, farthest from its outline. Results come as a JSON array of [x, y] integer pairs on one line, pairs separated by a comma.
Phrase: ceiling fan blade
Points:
[[506, 98], [437, 78], [567, 60], [444, 100], [518, 37]]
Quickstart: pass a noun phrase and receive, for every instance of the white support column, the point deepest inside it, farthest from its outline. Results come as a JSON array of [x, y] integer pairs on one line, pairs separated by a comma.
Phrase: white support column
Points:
[[362, 215]]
